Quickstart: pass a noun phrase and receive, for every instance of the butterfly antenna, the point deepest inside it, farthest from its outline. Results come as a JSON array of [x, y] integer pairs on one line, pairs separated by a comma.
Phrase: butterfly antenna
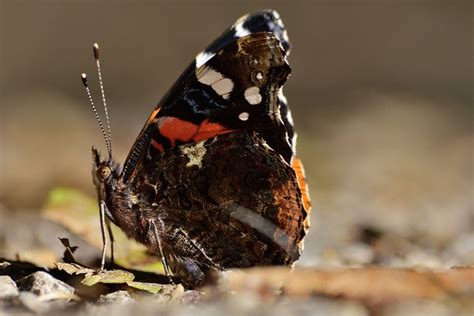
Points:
[[97, 61], [91, 102]]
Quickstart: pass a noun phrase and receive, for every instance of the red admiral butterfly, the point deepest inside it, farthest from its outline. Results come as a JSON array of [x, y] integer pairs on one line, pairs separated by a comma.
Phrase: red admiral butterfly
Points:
[[212, 181]]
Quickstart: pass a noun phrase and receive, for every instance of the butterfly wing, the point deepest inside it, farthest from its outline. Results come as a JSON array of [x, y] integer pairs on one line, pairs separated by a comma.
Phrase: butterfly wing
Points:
[[235, 84], [239, 199], [231, 201], [261, 21]]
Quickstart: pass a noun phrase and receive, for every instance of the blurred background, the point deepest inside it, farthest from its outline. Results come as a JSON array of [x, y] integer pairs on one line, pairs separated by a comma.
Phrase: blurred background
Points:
[[381, 94]]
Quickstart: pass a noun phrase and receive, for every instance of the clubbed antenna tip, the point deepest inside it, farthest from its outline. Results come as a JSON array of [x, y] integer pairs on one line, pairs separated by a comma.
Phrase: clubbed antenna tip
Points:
[[95, 47], [84, 79]]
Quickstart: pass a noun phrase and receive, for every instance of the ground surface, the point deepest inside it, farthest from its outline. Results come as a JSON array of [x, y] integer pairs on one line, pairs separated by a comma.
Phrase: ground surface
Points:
[[376, 273]]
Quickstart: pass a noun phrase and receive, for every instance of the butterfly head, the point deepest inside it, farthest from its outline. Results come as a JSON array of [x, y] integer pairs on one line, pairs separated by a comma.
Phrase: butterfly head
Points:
[[105, 174]]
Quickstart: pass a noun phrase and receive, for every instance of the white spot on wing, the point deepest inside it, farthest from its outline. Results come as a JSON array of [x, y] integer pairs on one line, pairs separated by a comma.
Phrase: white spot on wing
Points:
[[195, 154], [240, 30], [285, 36], [279, 21], [252, 95], [209, 76], [276, 15], [203, 57], [223, 86], [244, 116]]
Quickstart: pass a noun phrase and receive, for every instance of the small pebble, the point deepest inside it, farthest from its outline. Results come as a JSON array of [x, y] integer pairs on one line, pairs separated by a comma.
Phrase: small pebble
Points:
[[7, 287], [42, 283], [190, 297], [119, 297]]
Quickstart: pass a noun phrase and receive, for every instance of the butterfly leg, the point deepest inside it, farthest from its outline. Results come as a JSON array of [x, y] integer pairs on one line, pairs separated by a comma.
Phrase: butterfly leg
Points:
[[103, 226], [111, 237], [154, 230]]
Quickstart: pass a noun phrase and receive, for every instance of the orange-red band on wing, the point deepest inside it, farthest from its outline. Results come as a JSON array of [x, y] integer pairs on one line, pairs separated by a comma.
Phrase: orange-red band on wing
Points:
[[175, 129], [208, 130], [297, 165]]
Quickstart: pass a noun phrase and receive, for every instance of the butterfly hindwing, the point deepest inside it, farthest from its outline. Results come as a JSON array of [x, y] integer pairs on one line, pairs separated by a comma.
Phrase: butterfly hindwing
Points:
[[230, 201]]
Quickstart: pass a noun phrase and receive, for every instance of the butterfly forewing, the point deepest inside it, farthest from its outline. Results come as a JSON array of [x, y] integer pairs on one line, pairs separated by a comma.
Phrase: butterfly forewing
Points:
[[239, 87]]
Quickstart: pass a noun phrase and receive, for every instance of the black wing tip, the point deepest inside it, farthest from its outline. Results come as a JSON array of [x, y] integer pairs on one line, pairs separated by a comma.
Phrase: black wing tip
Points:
[[267, 20]]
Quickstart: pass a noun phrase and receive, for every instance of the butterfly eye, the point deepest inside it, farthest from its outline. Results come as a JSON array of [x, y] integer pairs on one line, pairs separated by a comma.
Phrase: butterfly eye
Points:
[[103, 173]]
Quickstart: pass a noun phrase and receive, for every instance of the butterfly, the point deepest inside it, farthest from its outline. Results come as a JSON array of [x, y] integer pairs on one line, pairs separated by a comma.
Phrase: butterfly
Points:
[[212, 181]]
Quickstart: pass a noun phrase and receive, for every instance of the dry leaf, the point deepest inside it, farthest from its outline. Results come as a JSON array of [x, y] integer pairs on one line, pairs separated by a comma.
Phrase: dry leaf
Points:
[[73, 268], [109, 277], [148, 287]]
